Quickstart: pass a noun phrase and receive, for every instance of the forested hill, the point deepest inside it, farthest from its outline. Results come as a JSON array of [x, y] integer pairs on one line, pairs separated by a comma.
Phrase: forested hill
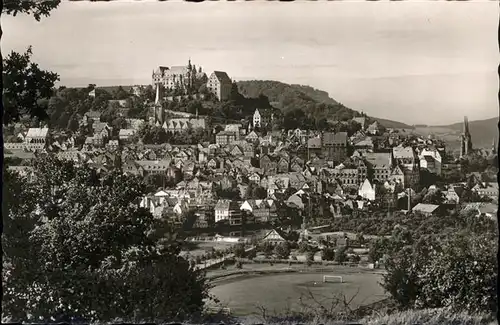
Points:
[[287, 96], [312, 101]]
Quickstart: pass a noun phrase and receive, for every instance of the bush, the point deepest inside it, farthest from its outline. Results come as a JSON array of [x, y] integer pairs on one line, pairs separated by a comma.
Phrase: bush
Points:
[[328, 254], [282, 250], [266, 248], [239, 250], [340, 255], [355, 258], [251, 254], [303, 247], [457, 271], [310, 256], [440, 316]]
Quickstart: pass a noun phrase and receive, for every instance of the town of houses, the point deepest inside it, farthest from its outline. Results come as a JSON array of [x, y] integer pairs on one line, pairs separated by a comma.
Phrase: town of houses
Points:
[[218, 180]]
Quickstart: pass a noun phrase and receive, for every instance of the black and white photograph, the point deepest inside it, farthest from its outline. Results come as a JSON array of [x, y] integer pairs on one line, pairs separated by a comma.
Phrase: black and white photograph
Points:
[[250, 162]]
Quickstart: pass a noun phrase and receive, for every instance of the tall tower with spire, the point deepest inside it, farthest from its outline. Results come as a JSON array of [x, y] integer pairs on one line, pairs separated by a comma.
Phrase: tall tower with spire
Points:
[[465, 139], [158, 108]]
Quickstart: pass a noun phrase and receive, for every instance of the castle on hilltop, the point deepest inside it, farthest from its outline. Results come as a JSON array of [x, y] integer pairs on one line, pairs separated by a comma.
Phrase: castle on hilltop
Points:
[[181, 79], [187, 80]]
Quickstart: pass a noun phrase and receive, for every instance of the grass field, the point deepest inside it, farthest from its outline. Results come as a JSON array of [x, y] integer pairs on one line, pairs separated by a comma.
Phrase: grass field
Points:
[[277, 292]]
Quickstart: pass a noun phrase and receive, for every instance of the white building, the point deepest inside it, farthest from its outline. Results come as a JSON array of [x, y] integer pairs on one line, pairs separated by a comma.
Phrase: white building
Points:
[[430, 159], [261, 118], [367, 190], [126, 134], [228, 210], [37, 135]]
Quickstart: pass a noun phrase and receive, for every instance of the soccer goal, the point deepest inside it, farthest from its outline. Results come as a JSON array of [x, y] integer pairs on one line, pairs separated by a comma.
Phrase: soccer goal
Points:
[[327, 278]]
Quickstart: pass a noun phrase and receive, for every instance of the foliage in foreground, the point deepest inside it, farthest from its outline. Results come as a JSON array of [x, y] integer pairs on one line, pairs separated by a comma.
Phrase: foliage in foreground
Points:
[[456, 270], [77, 246], [429, 317], [438, 316]]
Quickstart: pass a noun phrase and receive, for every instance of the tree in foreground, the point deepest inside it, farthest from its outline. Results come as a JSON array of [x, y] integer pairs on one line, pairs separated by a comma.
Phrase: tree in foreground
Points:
[[341, 255], [24, 83], [77, 245], [456, 270]]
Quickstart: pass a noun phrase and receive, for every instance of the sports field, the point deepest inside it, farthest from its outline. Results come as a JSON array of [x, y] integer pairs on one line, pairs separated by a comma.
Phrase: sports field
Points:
[[277, 292]]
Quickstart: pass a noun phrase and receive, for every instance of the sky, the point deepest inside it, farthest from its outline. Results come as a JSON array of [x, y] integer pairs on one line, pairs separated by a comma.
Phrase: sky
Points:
[[414, 62]]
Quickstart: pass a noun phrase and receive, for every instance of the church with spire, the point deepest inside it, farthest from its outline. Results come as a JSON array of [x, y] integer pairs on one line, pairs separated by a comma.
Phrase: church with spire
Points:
[[465, 140], [159, 112]]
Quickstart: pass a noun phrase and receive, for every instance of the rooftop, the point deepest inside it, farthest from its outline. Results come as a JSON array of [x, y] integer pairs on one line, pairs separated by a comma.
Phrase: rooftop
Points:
[[37, 132]]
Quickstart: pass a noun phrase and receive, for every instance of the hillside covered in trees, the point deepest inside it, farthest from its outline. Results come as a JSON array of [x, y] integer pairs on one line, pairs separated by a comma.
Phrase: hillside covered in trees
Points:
[[313, 102]]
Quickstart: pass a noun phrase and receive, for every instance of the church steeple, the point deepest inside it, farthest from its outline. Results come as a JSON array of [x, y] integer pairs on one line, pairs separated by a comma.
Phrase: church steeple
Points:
[[465, 139], [157, 98], [158, 108]]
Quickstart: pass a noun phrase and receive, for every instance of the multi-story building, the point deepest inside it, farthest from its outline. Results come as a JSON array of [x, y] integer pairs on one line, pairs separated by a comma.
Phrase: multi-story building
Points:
[[228, 210], [262, 118], [225, 137], [380, 165], [37, 135], [431, 160], [334, 146], [261, 210], [176, 125], [236, 128], [397, 176], [490, 190], [350, 176], [220, 85], [406, 158], [126, 134]]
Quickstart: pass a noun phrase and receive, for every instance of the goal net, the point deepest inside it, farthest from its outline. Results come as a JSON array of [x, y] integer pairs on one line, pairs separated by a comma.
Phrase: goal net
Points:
[[332, 278]]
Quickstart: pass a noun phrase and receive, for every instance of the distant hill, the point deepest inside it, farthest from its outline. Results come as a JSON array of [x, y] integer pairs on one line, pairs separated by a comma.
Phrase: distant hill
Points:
[[316, 94], [287, 96], [292, 96], [393, 124], [482, 132]]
